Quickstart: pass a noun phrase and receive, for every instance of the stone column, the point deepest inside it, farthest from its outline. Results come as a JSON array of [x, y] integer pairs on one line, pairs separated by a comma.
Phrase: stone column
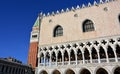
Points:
[[76, 58], [98, 54], [83, 57], [90, 57], [69, 57], [50, 61], [106, 54], [62, 59], [56, 59], [114, 50], [38, 61], [44, 60]]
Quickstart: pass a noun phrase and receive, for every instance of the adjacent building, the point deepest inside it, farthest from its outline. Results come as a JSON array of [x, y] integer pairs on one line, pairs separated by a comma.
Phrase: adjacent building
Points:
[[81, 40], [14, 66], [33, 49]]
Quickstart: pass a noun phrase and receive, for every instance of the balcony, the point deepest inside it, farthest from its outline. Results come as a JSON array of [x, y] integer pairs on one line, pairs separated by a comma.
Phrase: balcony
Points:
[[78, 62]]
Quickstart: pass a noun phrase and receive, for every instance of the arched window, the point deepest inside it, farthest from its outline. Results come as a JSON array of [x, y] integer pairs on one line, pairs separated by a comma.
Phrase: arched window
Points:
[[58, 31], [119, 18], [88, 25], [102, 53], [94, 53], [56, 72], [86, 54], [47, 57], [59, 57], [41, 58], [79, 55], [72, 55], [66, 56], [101, 71], [69, 71], [53, 57]]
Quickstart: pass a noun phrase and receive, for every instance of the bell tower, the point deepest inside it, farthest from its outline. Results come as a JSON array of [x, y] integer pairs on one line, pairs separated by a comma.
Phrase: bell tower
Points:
[[33, 47]]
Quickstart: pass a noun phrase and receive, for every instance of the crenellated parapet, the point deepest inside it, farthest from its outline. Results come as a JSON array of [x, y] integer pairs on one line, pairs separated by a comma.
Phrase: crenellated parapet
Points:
[[76, 8]]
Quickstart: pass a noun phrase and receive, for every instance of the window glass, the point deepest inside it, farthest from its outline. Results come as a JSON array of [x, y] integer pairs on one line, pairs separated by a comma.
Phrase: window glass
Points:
[[88, 25], [58, 31]]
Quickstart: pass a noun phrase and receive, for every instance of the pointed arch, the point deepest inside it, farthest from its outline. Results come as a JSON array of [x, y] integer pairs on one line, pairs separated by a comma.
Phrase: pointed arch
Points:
[[117, 70], [110, 52], [88, 25], [66, 56], [59, 56], [94, 53], [47, 57], [70, 71], [43, 72], [86, 54], [118, 50], [85, 71], [72, 55], [102, 52], [79, 55], [101, 71], [41, 58], [56, 72], [58, 31], [53, 57]]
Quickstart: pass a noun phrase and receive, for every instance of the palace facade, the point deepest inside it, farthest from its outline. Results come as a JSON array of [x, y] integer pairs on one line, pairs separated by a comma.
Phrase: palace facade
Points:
[[80, 40]]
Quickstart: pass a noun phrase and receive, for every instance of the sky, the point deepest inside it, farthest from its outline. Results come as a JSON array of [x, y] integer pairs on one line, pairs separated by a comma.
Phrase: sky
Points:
[[17, 18]]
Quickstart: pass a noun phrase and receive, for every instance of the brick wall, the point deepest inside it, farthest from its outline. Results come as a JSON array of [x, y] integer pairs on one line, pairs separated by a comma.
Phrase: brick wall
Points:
[[32, 55]]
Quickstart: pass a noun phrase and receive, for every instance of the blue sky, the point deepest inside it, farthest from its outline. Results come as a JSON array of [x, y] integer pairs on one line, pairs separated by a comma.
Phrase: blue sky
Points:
[[17, 18]]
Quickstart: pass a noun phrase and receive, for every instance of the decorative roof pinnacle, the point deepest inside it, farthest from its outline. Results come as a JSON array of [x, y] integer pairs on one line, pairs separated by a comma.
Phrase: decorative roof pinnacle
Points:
[[44, 15], [101, 2], [62, 11], [107, 0], [72, 8], [95, 3], [89, 4], [41, 13], [48, 14], [53, 13], [76, 8], [57, 12], [67, 10], [83, 5]]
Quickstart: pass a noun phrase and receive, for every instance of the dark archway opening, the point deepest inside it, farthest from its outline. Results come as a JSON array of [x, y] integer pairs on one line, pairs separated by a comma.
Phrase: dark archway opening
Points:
[[42, 58], [53, 57], [110, 52], [101, 71], [66, 58], [56, 72], [59, 57], [79, 55], [94, 53], [47, 57], [118, 50], [72, 56], [85, 71], [43, 72], [102, 53], [86, 54], [117, 70], [70, 72]]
